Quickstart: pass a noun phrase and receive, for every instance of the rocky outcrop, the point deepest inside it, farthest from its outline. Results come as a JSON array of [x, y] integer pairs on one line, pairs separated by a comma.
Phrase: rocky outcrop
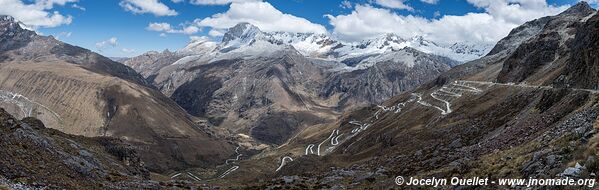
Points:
[[582, 70], [39, 157], [542, 59]]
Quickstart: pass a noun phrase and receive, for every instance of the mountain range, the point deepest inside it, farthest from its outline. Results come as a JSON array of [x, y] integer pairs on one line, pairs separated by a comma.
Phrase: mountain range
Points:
[[270, 85]]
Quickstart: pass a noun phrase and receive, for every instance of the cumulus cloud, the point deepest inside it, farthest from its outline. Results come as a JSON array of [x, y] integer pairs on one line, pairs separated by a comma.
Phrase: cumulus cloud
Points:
[[147, 6], [261, 14], [199, 38], [216, 32], [159, 27], [591, 1], [394, 4], [346, 4], [112, 42], [430, 1], [128, 51], [488, 27], [218, 2], [36, 14], [167, 28], [76, 6]]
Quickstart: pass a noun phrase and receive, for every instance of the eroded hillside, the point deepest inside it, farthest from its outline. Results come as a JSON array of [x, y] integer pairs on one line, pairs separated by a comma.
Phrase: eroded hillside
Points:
[[80, 92]]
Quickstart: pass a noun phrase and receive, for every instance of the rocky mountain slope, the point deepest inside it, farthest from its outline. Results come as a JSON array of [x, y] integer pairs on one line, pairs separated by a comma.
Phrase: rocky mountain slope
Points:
[[37, 157], [80, 92], [506, 115], [255, 84]]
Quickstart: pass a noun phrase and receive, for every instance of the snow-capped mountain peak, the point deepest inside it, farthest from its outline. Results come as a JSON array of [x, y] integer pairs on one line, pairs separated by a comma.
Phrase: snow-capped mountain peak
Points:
[[309, 44], [385, 42], [241, 32]]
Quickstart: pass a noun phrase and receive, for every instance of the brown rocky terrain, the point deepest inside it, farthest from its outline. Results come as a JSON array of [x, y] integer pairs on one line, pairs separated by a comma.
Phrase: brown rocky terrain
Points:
[[37, 157], [80, 92]]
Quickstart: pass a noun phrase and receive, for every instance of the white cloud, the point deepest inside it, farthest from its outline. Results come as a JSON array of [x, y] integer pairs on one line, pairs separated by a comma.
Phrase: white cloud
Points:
[[218, 2], [159, 27], [166, 28], [177, 1], [261, 14], [126, 50], [430, 1], [199, 38], [147, 6], [76, 6], [216, 33], [346, 4], [37, 14], [112, 42], [498, 18], [49, 4], [591, 1], [190, 30], [394, 4], [517, 11]]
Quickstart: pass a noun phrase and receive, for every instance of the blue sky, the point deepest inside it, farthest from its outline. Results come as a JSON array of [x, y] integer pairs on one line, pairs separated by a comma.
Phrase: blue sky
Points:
[[90, 22]]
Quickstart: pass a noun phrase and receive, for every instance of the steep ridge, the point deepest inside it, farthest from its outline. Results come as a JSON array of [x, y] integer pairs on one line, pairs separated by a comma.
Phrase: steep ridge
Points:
[[465, 123], [80, 92], [255, 84], [542, 59], [582, 71]]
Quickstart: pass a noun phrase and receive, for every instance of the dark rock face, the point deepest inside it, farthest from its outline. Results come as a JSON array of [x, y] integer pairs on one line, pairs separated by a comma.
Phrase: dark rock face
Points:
[[12, 36], [195, 96], [582, 71], [529, 58], [520, 34], [38, 157], [277, 128], [541, 59]]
